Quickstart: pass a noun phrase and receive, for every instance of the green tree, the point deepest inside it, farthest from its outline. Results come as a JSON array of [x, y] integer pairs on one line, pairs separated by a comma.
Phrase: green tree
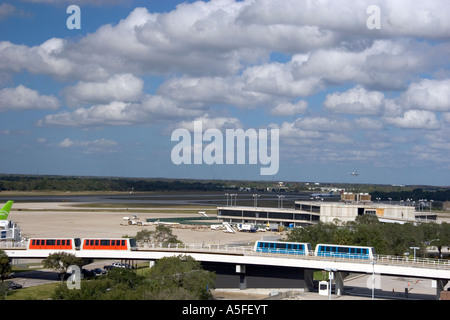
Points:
[[435, 234], [181, 277], [61, 261], [162, 234], [171, 278], [319, 233], [5, 266]]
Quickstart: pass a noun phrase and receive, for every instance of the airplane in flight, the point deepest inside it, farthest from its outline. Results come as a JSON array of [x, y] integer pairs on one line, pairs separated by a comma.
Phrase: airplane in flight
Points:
[[4, 212], [354, 173]]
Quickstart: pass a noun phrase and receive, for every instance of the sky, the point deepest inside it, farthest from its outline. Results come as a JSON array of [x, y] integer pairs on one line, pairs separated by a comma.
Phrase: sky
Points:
[[348, 85]]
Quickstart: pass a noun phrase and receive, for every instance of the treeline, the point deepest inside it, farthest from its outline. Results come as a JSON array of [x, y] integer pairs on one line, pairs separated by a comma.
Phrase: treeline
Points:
[[68, 183], [387, 238], [413, 195], [17, 182]]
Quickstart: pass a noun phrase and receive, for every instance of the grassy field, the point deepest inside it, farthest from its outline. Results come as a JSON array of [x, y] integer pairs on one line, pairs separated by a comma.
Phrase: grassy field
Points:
[[42, 292]]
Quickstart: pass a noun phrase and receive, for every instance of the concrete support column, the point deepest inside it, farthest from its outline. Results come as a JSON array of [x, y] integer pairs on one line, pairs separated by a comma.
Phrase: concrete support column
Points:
[[339, 283], [440, 284], [240, 268], [309, 279]]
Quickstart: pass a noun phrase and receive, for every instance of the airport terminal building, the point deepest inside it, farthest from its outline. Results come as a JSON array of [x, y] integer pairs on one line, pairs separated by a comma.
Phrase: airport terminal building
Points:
[[310, 212]]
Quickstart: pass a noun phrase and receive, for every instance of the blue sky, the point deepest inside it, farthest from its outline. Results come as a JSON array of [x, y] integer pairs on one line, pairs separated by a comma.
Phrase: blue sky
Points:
[[103, 100]]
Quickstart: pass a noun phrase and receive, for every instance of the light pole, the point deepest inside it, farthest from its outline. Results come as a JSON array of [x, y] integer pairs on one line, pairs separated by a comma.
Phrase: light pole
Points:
[[280, 201], [373, 279], [231, 195], [227, 194], [414, 248], [330, 277], [255, 199]]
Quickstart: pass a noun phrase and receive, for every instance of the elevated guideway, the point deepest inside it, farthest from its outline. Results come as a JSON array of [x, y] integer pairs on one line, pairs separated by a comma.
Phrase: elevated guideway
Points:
[[243, 255]]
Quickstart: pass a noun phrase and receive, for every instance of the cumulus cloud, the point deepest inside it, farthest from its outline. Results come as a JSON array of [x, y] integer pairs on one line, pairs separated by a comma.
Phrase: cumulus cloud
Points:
[[211, 122], [151, 110], [355, 101], [121, 87], [428, 94], [23, 98], [368, 124], [344, 79], [290, 109], [416, 119], [95, 146], [204, 91]]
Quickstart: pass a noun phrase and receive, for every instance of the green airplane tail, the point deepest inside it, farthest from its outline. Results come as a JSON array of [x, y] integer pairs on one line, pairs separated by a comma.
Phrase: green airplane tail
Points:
[[4, 211]]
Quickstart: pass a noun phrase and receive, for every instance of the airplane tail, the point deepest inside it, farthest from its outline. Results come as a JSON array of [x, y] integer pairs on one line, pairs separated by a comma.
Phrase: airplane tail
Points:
[[4, 211]]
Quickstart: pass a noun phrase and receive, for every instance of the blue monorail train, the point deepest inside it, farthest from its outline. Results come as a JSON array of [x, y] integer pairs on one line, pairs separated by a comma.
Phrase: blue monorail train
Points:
[[322, 250], [282, 247], [341, 251]]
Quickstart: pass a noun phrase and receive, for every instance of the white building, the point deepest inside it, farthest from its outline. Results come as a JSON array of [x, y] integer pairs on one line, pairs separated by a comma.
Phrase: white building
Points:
[[310, 212]]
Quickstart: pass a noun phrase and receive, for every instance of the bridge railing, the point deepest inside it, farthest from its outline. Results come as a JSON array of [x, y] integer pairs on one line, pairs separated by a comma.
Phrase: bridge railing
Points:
[[248, 250], [12, 245], [198, 247], [414, 262]]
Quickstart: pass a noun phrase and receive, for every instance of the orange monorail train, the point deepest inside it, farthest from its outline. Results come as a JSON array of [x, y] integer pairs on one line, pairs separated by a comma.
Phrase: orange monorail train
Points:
[[82, 244]]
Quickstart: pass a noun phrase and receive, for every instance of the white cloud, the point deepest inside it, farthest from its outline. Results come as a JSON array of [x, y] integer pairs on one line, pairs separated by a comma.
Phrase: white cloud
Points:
[[290, 109], [355, 101], [446, 117], [49, 58], [428, 94], [152, 109], [95, 146], [415, 119], [368, 124], [23, 98], [207, 91], [121, 87], [212, 122]]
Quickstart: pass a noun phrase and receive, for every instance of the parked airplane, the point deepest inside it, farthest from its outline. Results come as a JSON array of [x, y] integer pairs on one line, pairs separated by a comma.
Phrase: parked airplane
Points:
[[324, 195], [4, 212]]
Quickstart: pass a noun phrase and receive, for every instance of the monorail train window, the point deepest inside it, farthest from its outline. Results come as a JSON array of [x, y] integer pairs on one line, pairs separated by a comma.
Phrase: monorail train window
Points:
[[342, 250], [50, 242], [33, 242], [280, 246], [104, 242], [123, 242]]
